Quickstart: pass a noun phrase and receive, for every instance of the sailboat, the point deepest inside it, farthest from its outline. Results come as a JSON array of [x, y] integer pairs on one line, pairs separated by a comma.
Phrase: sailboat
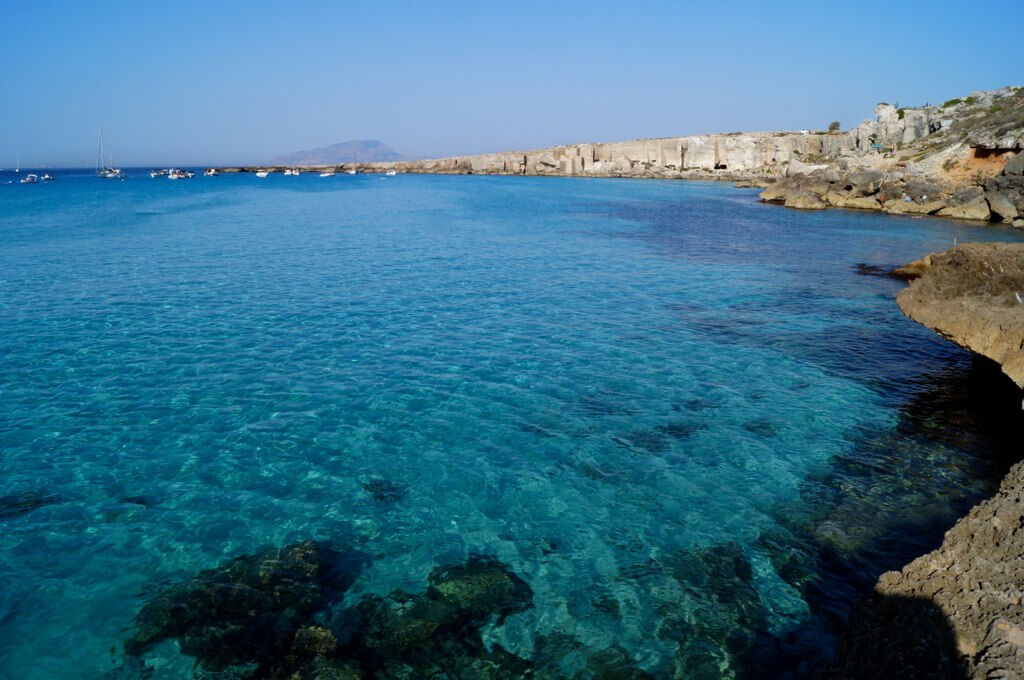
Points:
[[103, 169]]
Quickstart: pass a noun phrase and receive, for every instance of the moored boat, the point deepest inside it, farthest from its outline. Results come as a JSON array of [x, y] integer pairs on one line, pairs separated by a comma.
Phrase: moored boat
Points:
[[262, 173], [390, 173], [327, 173], [106, 170], [210, 172], [47, 177], [30, 179]]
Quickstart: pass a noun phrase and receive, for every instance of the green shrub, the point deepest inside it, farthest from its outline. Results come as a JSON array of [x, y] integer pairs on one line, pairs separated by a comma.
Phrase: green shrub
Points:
[[995, 108], [833, 126], [952, 102], [900, 113], [970, 100]]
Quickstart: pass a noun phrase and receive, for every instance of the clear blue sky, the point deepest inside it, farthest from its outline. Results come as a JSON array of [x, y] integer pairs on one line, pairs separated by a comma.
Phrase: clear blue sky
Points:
[[184, 82]]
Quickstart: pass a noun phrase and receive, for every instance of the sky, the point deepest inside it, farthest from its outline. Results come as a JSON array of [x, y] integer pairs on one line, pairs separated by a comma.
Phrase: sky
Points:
[[194, 83]]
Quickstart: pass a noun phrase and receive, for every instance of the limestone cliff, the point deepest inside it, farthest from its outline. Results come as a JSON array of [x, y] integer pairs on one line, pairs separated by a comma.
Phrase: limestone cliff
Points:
[[962, 159], [973, 294]]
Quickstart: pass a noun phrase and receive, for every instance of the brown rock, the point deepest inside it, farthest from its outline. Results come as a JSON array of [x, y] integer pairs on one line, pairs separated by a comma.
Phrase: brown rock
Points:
[[863, 203], [805, 200], [974, 209], [1002, 205], [913, 207], [953, 613], [914, 270], [973, 294]]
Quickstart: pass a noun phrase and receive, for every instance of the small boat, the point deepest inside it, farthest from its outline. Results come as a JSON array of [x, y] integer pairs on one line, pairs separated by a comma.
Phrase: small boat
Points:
[[327, 173], [30, 179], [291, 171], [47, 177], [102, 168], [390, 173], [210, 172], [350, 172], [158, 173], [174, 173], [262, 173]]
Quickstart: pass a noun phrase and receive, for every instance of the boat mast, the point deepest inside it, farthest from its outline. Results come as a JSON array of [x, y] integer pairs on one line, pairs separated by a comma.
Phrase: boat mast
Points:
[[99, 151]]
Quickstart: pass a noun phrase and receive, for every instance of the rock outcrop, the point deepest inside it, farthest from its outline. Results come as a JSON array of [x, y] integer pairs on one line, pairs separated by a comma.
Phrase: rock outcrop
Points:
[[973, 294], [953, 613], [956, 612], [905, 160]]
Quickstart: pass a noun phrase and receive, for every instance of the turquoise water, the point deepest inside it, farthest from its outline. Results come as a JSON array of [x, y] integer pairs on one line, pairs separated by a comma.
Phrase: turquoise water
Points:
[[604, 384]]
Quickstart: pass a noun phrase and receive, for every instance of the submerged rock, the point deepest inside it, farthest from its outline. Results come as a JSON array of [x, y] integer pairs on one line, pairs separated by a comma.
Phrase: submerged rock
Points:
[[439, 631], [384, 491], [247, 611], [17, 504], [481, 587]]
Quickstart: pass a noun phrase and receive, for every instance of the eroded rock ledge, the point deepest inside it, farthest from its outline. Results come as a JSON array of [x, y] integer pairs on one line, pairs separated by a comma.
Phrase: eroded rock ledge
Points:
[[956, 612], [973, 294], [953, 613]]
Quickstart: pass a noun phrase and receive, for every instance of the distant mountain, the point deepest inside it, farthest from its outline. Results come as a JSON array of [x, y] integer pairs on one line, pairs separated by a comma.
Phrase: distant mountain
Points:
[[362, 150]]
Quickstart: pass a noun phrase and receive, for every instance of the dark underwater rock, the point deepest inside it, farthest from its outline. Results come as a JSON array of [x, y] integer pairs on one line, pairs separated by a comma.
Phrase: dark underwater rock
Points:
[[680, 429], [481, 587], [762, 427], [17, 504], [712, 643], [248, 610], [407, 635], [384, 491]]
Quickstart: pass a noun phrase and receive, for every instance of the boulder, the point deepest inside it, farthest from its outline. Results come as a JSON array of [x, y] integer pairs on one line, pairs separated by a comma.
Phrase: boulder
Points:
[[1002, 205], [865, 182], [914, 208], [975, 209], [805, 200], [836, 198], [1015, 166], [862, 203], [775, 193]]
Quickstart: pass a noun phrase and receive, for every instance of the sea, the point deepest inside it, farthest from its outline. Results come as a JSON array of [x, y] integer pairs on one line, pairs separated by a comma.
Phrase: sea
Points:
[[696, 425]]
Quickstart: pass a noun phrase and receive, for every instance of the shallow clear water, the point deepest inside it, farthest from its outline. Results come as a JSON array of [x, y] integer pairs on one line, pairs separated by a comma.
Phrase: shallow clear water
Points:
[[607, 385]]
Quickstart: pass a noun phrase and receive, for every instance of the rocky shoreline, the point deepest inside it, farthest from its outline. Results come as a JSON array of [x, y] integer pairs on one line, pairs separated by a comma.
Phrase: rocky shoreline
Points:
[[958, 611], [962, 159]]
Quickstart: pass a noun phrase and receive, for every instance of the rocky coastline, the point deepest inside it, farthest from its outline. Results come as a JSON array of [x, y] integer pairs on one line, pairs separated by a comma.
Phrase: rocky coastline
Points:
[[962, 159], [958, 611]]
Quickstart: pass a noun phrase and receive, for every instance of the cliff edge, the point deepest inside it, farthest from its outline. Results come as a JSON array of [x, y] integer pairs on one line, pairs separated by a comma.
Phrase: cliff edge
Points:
[[958, 611], [973, 294], [962, 159], [953, 613]]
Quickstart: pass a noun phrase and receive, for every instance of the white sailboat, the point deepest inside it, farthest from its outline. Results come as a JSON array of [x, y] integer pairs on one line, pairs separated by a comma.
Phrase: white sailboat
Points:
[[103, 169]]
